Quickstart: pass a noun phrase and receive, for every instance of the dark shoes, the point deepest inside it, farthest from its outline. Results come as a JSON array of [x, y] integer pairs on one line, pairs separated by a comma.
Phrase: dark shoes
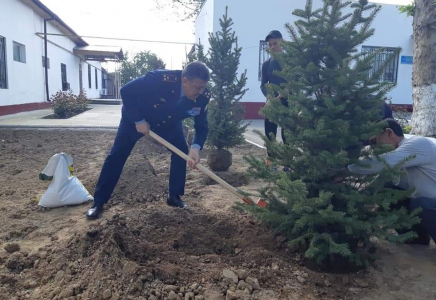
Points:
[[175, 201], [94, 212], [421, 240]]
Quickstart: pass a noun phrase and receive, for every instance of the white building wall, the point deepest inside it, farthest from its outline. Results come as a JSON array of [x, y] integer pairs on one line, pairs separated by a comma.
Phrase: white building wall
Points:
[[60, 51], [26, 81], [393, 29], [92, 92], [204, 23], [254, 19]]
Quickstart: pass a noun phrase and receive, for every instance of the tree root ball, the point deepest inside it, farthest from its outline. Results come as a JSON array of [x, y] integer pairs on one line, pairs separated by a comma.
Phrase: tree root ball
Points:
[[219, 160]]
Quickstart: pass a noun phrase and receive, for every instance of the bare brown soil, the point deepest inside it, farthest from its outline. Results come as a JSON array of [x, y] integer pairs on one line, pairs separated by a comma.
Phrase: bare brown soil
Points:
[[143, 249]]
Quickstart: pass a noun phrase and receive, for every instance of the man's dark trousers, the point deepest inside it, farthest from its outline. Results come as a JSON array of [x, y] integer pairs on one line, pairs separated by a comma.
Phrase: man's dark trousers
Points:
[[125, 140], [271, 127], [427, 215]]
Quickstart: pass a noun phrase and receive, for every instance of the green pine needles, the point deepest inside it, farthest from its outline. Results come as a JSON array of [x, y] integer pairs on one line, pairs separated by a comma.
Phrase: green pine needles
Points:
[[334, 102], [225, 113]]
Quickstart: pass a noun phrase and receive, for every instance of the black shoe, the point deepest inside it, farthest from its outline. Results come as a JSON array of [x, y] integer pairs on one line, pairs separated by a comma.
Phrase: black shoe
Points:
[[176, 202], [94, 212], [420, 240]]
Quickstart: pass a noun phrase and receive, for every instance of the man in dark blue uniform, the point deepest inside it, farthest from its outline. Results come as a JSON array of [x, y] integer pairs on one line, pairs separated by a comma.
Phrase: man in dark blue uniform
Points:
[[158, 101], [274, 40]]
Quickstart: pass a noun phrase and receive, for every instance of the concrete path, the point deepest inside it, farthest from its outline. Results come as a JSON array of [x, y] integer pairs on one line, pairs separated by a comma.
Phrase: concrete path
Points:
[[99, 116]]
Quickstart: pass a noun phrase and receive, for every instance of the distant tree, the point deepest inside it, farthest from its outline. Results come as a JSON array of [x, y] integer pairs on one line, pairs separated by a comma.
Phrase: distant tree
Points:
[[189, 8], [191, 56], [193, 6], [408, 9], [141, 63]]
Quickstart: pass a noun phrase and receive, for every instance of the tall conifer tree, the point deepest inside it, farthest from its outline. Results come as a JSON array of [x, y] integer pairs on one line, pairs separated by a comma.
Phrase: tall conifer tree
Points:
[[334, 102]]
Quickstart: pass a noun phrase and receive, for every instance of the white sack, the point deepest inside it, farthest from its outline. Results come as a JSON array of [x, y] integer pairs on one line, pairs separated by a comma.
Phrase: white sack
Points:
[[64, 188]]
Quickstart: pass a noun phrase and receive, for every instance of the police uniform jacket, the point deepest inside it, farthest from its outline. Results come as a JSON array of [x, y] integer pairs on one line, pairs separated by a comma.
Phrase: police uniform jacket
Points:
[[268, 76], [156, 98]]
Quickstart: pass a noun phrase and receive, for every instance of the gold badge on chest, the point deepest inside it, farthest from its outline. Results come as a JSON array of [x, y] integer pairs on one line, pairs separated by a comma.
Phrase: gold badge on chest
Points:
[[170, 78]]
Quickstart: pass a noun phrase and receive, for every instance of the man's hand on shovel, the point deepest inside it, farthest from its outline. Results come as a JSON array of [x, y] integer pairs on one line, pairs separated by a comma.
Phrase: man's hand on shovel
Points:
[[143, 128], [195, 158]]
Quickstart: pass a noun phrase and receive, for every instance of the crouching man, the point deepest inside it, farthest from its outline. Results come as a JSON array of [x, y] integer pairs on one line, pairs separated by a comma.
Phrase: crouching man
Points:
[[420, 173]]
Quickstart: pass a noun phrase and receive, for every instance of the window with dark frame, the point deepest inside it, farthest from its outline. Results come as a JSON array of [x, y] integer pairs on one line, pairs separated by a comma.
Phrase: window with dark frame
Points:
[[390, 73], [96, 79], [65, 86], [80, 77], [263, 56], [3, 69], [43, 62], [19, 52], [89, 77], [103, 80]]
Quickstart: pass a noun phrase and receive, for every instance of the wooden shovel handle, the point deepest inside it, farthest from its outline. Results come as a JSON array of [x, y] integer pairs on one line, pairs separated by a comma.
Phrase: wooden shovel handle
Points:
[[203, 169]]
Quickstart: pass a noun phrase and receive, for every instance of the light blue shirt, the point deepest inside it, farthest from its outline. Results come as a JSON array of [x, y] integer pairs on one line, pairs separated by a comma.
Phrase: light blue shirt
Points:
[[420, 171]]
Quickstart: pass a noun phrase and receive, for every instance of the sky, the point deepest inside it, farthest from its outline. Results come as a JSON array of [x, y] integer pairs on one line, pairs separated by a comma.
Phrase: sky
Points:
[[132, 19], [136, 19], [398, 2]]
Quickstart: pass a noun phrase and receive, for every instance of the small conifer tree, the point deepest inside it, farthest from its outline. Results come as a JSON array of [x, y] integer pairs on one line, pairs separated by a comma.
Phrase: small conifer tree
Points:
[[225, 112], [334, 102]]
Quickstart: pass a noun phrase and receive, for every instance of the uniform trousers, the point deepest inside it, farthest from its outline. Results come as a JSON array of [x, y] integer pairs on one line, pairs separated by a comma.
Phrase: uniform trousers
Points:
[[271, 127], [125, 140]]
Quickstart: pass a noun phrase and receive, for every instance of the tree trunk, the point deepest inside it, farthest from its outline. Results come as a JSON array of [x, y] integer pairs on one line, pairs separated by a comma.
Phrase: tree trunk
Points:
[[424, 69]]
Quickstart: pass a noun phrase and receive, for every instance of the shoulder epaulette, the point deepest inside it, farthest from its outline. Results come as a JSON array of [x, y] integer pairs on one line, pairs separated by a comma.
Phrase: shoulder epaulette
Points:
[[207, 94], [170, 78]]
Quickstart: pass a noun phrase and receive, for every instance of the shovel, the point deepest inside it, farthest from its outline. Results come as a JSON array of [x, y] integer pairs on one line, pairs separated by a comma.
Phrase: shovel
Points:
[[260, 202]]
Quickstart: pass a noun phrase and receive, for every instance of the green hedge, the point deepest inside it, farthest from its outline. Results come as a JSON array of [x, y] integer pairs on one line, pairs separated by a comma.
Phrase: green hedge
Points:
[[66, 104]]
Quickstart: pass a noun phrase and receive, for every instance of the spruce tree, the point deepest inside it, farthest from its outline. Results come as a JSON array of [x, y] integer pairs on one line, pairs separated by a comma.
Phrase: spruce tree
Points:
[[225, 113], [334, 102]]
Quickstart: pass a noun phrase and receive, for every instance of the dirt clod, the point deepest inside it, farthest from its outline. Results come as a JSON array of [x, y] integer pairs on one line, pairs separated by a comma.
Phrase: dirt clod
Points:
[[13, 247]]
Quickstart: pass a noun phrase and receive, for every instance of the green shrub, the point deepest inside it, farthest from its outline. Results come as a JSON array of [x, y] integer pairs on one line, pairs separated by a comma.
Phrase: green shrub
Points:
[[407, 129], [66, 104]]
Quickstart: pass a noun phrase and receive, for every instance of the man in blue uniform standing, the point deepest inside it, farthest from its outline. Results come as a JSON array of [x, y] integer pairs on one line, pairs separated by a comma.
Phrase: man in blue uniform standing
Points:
[[274, 40], [158, 101]]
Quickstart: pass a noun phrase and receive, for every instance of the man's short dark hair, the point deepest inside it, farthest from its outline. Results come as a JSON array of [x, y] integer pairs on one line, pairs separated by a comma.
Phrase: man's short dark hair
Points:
[[196, 69], [396, 128], [274, 34]]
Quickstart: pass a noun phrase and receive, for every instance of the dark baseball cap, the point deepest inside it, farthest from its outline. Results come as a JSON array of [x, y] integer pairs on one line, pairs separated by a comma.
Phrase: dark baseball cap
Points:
[[275, 34]]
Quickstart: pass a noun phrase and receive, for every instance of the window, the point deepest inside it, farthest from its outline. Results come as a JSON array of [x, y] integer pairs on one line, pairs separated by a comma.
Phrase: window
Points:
[[89, 76], [96, 79], [19, 52], [391, 71], [103, 80], [263, 56], [3, 70], [80, 77], [43, 62], [65, 85]]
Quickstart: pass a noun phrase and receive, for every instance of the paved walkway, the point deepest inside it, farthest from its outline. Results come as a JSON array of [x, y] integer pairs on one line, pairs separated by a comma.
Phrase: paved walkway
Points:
[[99, 116]]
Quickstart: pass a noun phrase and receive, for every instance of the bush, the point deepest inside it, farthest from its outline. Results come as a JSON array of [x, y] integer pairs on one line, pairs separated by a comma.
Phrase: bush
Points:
[[407, 129], [66, 104]]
